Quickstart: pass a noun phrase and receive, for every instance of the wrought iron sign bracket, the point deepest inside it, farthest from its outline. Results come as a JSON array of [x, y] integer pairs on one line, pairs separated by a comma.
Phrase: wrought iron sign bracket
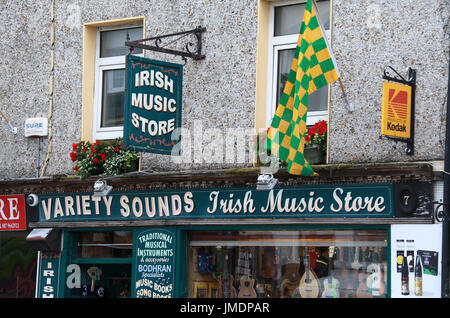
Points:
[[159, 47], [411, 81]]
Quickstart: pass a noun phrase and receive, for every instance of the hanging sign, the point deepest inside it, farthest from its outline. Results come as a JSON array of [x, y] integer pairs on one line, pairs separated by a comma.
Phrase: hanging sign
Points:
[[396, 110], [153, 101], [154, 265], [12, 213]]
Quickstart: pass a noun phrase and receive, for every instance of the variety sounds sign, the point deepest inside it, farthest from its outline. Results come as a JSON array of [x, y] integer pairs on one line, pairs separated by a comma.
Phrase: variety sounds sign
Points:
[[396, 110], [153, 101], [308, 201]]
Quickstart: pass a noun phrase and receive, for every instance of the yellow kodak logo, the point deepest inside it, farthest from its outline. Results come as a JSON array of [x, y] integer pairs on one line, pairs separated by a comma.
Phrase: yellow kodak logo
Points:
[[396, 110]]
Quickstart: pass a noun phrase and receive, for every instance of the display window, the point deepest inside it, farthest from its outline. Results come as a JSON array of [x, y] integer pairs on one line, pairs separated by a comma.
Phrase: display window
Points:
[[288, 264], [101, 264]]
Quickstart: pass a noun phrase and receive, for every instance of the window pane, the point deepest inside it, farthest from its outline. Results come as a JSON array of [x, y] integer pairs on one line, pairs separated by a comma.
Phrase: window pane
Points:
[[287, 264], [113, 98], [117, 244], [288, 18], [112, 43], [318, 101]]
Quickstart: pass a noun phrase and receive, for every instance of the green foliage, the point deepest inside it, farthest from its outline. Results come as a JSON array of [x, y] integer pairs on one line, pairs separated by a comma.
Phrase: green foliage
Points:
[[106, 158]]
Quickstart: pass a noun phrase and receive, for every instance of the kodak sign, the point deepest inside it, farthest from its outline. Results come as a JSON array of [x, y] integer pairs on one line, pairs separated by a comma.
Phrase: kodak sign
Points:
[[396, 110]]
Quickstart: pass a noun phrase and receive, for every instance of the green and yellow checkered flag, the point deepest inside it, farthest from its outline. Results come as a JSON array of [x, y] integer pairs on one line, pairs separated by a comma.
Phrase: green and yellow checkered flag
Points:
[[312, 68]]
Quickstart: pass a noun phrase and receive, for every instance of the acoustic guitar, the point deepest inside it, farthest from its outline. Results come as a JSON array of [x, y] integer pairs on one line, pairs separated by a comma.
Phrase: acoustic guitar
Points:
[[330, 284], [309, 284], [246, 288], [226, 288], [363, 289], [291, 276]]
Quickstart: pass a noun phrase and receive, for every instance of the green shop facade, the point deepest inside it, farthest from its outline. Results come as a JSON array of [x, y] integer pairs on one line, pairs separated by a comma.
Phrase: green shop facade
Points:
[[213, 234]]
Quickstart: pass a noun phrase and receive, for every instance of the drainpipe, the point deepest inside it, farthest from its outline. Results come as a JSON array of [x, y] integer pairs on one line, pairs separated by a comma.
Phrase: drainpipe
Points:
[[445, 236]]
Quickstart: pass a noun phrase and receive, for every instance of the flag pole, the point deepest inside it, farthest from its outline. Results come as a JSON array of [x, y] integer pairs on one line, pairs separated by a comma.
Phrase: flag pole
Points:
[[350, 106]]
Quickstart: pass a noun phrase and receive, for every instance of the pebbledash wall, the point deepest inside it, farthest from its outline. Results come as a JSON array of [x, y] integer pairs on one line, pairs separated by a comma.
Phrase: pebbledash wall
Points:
[[227, 88]]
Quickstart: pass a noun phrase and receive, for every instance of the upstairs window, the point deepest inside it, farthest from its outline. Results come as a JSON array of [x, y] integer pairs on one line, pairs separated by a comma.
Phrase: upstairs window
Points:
[[284, 27], [110, 78]]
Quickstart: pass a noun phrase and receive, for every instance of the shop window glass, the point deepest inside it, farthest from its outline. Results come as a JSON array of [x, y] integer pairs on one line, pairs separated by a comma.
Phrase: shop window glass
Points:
[[17, 266], [104, 262], [113, 244], [288, 264]]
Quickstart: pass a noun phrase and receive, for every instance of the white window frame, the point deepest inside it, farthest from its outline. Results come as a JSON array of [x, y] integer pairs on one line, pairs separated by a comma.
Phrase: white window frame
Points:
[[277, 43], [104, 64]]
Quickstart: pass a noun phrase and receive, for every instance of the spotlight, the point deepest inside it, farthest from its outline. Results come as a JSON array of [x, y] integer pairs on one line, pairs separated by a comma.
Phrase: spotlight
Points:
[[266, 181], [101, 188]]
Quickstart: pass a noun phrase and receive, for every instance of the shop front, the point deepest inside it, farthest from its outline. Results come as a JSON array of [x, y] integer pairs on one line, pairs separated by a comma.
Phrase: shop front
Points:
[[346, 240]]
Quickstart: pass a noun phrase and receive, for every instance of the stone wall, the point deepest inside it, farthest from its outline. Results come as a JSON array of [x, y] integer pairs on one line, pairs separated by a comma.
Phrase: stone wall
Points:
[[219, 91]]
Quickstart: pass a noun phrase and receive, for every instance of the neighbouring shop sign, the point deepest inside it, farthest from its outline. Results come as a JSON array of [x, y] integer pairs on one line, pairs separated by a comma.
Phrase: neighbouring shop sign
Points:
[[396, 110], [308, 201], [12, 213], [153, 102], [154, 265]]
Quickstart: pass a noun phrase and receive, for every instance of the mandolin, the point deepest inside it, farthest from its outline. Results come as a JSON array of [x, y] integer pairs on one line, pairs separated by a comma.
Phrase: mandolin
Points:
[[330, 284], [309, 284]]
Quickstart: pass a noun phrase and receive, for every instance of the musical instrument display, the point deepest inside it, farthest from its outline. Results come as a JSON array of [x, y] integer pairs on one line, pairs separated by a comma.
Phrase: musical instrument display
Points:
[[296, 268]]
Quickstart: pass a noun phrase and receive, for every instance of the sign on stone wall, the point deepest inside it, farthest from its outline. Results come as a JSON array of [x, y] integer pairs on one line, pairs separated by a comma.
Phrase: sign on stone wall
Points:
[[396, 111], [153, 103]]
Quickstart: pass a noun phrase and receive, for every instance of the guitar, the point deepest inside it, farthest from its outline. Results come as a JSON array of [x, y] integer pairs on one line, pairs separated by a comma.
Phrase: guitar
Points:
[[375, 280], [363, 289], [226, 288], [246, 288], [268, 269], [309, 284], [291, 276], [330, 284]]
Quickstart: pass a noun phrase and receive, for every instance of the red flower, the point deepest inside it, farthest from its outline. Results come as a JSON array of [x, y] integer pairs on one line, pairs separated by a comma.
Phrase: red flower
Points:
[[95, 160], [117, 149], [103, 157], [307, 138], [76, 168], [73, 156]]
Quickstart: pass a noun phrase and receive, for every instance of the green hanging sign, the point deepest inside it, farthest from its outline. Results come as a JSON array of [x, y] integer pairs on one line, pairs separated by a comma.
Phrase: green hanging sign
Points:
[[153, 103]]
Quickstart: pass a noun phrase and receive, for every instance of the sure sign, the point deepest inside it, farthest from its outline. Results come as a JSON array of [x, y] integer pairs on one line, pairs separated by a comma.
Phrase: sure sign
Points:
[[12, 213]]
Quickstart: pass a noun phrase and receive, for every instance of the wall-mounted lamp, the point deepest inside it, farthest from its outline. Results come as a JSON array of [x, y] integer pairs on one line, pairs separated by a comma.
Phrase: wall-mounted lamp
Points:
[[266, 181], [101, 188]]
